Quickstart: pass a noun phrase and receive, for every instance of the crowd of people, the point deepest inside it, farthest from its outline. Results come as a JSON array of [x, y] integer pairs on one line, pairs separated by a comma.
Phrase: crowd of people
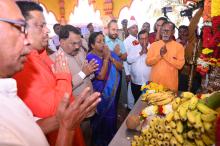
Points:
[[62, 90]]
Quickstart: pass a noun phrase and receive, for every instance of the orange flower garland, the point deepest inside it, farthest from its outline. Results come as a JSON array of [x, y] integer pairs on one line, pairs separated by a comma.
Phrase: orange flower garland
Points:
[[211, 37]]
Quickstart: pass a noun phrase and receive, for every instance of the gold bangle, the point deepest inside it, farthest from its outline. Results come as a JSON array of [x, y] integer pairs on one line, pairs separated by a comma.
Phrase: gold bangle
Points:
[[105, 60]]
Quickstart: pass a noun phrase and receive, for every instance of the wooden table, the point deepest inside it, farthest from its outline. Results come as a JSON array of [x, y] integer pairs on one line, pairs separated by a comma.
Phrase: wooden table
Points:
[[124, 136]]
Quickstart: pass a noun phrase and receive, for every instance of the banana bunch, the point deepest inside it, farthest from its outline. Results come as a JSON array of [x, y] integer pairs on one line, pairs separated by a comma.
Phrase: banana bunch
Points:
[[191, 123], [160, 98], [151, 88]]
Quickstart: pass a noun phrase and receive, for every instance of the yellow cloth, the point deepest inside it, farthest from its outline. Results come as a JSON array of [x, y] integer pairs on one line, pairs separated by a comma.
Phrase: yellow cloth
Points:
[[165, 69]]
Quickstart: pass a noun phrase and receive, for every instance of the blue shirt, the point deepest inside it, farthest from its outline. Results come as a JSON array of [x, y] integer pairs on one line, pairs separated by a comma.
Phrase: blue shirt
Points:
[[112, 43]]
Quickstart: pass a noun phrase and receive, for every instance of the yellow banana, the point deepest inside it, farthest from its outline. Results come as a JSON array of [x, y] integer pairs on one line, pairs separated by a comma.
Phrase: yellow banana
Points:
[[169, 117], [189, 124], [153, 141], [149, 135], [161, 128], [188, 143], [191, 117], [160, 143], [172, 124], [133, 143], [179, 127], [145, 131], [168, 128], [184, 135], [176, 116], [136, 137], [167, 136], [198, 123], [191, 134], [193, 103], [208, 117], [160, 136], [207, 140], [199, 142], [146, 142], [151, 129], [163, 102], [208, 126], [173, 141], [205, 109], [187, 95], [197, 134], [182, 113], [155, 134], [176, 103], [166, 143], [178, 137]]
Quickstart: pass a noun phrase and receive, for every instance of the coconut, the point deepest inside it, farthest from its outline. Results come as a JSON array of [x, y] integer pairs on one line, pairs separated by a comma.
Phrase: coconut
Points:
[[132, 122]]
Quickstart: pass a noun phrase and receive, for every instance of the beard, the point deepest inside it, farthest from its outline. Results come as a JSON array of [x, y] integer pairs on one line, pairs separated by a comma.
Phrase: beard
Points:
[[113, 36], [166, 38]]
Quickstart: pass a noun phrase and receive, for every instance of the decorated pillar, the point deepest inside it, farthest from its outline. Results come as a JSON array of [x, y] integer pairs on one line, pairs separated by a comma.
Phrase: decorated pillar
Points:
[[92, 2], [62, 12], [209, 60], [108, 7], [107, 10]]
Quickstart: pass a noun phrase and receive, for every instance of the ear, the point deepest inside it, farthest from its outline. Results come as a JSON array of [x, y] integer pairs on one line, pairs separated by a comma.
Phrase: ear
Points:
[[62, 42], [93, 46]]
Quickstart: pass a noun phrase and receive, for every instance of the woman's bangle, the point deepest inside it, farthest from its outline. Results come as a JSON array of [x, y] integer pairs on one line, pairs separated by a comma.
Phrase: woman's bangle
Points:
[[105, 60]]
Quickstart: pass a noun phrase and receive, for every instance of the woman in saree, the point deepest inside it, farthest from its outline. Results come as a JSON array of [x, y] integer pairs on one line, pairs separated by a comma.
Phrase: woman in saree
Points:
[[106, 81]]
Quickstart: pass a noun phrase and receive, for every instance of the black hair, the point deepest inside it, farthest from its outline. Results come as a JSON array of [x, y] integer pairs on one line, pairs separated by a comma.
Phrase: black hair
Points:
[[66, 29], [55, 25], [142, 32], [112, 21], [90, 24], [183, 27], [27, 6], [92, 39], [169, 22], [161, 18]]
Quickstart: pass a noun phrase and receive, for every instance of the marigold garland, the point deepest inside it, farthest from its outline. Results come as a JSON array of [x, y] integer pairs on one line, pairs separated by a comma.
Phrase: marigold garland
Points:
[[210, 55]]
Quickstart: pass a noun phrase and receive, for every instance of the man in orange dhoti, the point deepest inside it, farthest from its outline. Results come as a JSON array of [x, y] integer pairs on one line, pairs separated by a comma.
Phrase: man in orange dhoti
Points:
[[166, 57], [40, 86]]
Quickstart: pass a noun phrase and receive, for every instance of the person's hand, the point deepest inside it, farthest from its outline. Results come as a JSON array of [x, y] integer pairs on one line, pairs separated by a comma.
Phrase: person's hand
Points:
[[117, 50], [128, 78], [106, 52], [72, 114], [89, 68], [60, 65], [163, 51]]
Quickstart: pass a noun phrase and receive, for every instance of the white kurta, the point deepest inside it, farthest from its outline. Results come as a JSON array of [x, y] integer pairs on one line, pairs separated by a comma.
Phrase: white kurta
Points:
[[17, 124]]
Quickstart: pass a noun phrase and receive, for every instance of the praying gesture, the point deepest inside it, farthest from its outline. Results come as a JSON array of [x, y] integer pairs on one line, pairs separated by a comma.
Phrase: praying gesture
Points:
[[89, 68]]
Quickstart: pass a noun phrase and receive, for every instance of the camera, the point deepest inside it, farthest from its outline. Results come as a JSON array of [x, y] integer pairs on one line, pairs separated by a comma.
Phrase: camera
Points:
[[166, 9], [187, 12]]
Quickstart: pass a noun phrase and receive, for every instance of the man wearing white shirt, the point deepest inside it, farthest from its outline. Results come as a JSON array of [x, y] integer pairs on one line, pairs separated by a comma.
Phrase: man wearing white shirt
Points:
[[130, 43], [139, 71]]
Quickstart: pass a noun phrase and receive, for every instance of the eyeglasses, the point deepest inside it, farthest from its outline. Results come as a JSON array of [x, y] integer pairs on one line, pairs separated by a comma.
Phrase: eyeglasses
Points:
[[19, 24]]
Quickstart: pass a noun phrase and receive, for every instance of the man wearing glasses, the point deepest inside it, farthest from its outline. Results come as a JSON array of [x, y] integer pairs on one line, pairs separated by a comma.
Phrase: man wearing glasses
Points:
[[42, 83], [166, 57], [17, 124]]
